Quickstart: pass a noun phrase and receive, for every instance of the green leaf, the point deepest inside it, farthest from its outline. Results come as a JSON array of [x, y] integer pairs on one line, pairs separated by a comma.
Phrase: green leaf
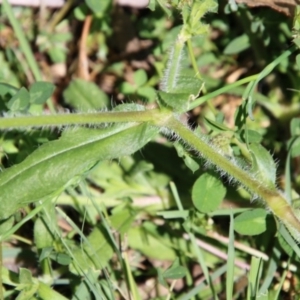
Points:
[[179, 102], [45, 253], [98, 7], [208, 192], [28, 291], [85, 96], [286, 241], [250, 136], [298, 61], [285, 245], [237, 45], [6, 88], [296, 21], [61, 258], [127, 88], [57, 54], [151, 5], [295, 126], [216, 126], [233, 5], [173, 214], [152, 243], [57, 164], [295, 149], [164, 6], [193, 12], [175, 271], [161, 278], [119, 184], [6, 72], [20, 101], [6, 224], [46, 292], [254, 277], [230, 261], [9, 277], [251, 222], [187, 84], [140, 77], [188, 160], [25, 276], [263, 165], [147, 92], [42, 235], [297, 41], [149, 245], [141, 167], [98, 249], [81, 11], [264, 296], [58, 38], [40, 92]]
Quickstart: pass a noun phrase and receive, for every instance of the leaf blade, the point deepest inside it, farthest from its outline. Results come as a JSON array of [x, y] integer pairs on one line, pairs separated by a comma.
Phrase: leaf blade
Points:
[[208, 192], [251, 222], [68, 158]]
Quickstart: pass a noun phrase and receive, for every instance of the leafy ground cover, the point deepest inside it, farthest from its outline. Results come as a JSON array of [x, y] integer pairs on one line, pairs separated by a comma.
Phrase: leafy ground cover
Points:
[[149, 153]]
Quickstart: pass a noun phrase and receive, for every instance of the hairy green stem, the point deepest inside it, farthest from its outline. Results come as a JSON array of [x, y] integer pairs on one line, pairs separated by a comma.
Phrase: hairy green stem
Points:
[[84, 119], [273, 199]]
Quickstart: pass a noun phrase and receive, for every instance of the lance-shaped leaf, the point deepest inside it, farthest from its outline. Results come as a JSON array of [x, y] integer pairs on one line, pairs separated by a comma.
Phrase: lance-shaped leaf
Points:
[[54, 165]]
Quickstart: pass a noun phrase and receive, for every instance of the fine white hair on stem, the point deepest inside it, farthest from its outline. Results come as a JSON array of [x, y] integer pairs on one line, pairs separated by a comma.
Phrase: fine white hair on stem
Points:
[[238, 163], [10, 115]]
